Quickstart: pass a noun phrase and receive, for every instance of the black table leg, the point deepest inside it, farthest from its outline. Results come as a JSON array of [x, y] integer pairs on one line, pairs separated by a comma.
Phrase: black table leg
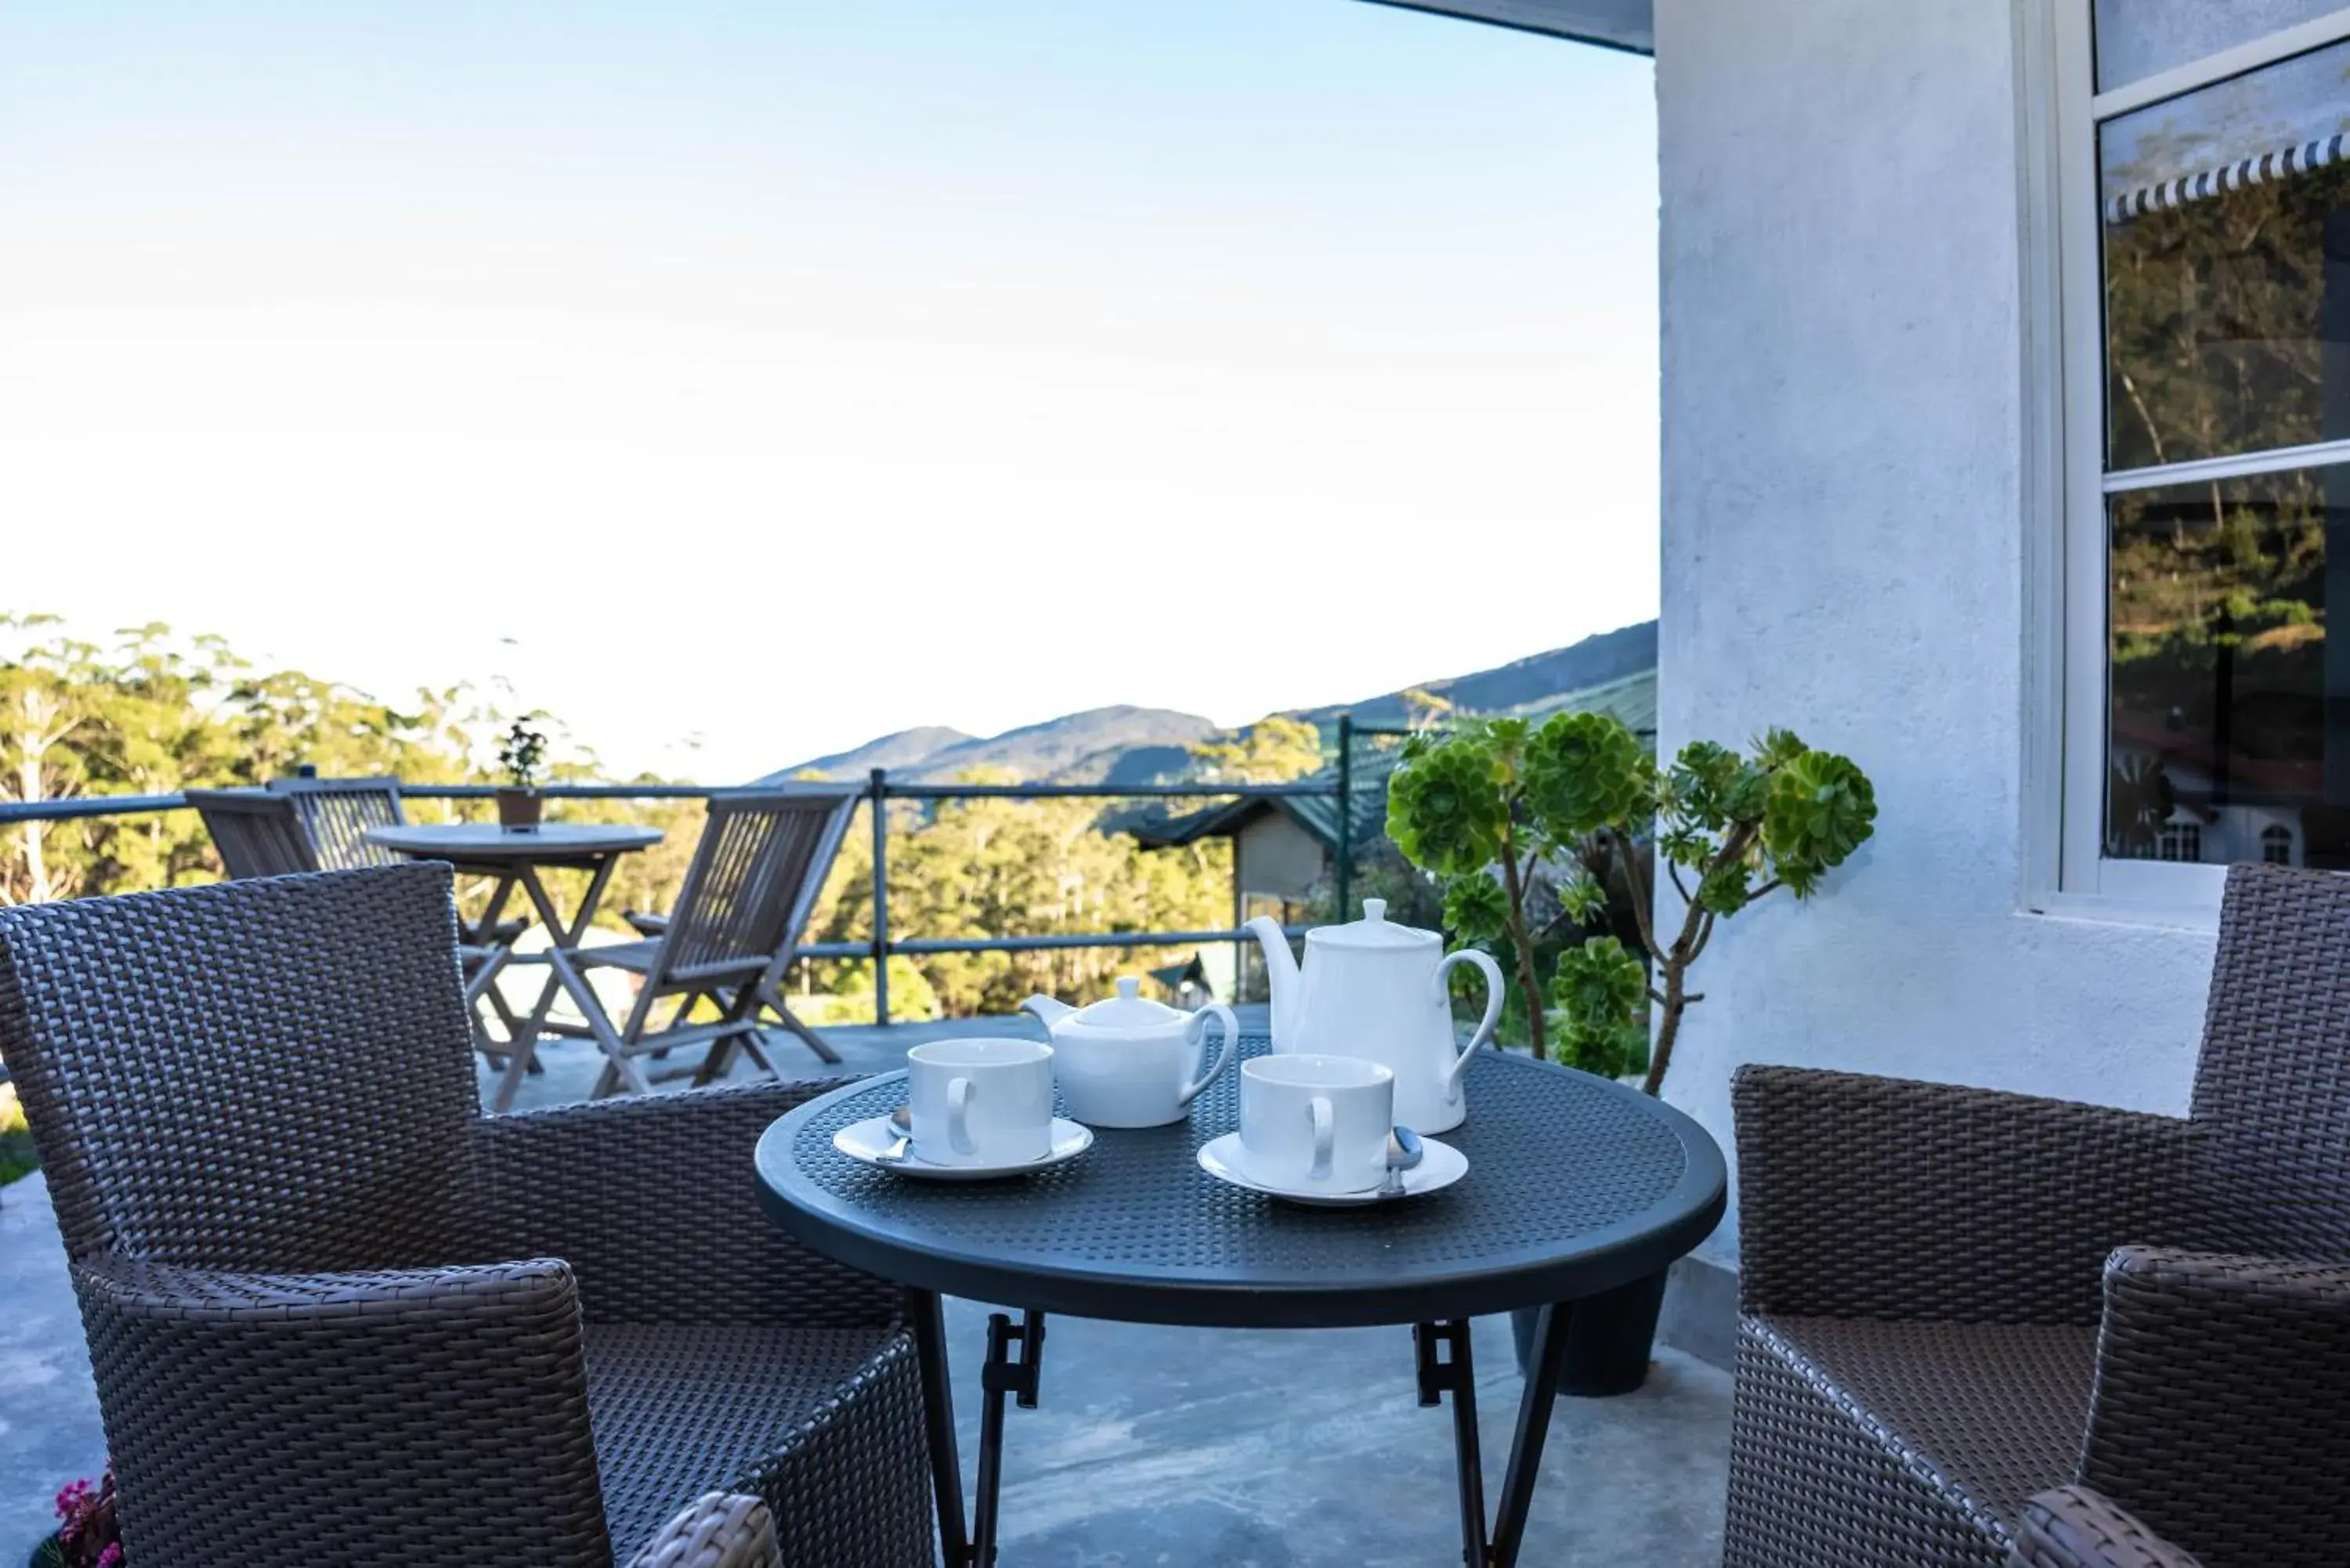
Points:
[[1534, 1430], [1003, 1374], [1457, 1377], [928, 1323]]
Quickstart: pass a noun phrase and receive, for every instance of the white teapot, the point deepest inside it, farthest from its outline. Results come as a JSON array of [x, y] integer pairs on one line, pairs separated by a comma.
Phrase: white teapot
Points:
[[1377, 989], [1127, 1061]]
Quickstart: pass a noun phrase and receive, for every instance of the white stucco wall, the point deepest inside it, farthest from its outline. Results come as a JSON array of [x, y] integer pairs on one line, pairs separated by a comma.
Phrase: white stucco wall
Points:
[[1843, 536], [1278, 858]]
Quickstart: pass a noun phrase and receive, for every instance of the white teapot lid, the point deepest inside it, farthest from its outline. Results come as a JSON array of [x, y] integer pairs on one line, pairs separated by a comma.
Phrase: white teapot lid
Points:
[[1130, 1011], [1374, 931]]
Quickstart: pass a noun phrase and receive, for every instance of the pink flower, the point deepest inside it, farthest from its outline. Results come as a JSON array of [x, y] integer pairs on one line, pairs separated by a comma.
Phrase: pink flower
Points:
[[111, 1557], [70, 1497]]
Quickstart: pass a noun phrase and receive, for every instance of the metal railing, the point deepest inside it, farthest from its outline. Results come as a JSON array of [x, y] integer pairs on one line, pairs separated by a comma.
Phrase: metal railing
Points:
[[877, 792]]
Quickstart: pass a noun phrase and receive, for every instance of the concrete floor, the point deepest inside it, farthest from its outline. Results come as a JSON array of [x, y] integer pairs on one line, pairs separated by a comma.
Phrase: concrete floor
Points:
[[1151, 1446]]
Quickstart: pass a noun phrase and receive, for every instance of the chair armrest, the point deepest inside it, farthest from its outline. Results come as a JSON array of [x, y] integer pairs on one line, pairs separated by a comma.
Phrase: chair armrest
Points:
[[2222, 1409], [652, 1200], [714, 1530], [2073, 1527], [647, 925], [377, 1417], [1867, 1197]]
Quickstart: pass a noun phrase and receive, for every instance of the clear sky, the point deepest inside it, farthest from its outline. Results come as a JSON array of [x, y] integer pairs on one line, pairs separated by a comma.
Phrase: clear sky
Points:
[[779, 373]]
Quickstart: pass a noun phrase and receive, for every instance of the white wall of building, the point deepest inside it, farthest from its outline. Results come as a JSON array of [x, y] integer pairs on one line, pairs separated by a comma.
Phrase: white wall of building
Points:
[[1278, 858], [1843, 550]]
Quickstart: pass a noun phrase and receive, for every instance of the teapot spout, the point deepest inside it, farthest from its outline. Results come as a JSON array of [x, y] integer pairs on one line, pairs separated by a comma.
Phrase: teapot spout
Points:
[[1047, 1011], [1281, 974]]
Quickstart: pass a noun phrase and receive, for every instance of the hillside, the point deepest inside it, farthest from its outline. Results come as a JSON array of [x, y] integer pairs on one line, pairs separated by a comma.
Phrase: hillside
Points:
[[1124, 744], [903, 750], [1526, 682], [1139, 745]]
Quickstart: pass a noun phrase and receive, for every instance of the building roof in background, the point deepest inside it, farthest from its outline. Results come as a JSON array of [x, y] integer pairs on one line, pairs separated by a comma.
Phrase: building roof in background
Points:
[[1632, 699], [1613, 24]]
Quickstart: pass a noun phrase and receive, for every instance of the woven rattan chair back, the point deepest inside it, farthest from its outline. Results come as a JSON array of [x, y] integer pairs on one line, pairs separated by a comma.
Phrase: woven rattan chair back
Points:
[[271, 1075], [754, 878], [337, 814], [2273, 1089], [257, 834]]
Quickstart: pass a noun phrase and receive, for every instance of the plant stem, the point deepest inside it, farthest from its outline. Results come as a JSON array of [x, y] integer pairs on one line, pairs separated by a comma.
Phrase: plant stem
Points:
[[1661, 1054], [1697, 926], [1515, 885], [1621, 843]]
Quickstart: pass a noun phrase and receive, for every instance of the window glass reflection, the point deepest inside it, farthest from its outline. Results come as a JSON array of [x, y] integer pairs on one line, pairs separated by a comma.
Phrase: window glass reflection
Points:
[[2229, 719], [2137, 38], [2227, 267]]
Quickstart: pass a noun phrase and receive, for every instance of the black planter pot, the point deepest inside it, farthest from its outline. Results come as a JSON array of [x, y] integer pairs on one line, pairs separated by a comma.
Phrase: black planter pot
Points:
[[1609, 1338], [518, 809]]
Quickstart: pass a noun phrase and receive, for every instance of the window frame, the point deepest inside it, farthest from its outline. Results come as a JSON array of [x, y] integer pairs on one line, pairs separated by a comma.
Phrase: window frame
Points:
[[2066, 870]]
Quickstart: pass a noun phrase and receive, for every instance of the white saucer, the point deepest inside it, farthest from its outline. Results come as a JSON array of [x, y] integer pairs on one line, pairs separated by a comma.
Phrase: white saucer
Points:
[[1440, 1165], [866, 1141]]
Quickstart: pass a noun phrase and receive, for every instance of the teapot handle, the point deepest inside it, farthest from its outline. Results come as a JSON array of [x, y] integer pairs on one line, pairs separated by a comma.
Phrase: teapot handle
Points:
[[1494, 997], [1223, 1015]]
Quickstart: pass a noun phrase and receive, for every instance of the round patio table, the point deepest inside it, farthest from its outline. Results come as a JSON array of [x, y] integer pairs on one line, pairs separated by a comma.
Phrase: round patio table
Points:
[[514, 857], [1576, 1185]]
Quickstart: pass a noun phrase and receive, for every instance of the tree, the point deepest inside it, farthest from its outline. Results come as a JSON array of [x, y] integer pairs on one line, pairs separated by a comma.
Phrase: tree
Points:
[[1273, 750], [1487, 806], [151, 713], [1424, 710], [39, 709], [993, 867]]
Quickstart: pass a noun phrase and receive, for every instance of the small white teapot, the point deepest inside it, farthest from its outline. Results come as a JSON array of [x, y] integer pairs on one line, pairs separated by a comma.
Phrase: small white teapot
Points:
[[1127, 1061], [1377, 989]]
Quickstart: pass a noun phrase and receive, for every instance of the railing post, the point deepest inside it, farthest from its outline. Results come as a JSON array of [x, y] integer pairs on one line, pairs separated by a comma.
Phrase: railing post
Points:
[[879, 795], [1346, 817]]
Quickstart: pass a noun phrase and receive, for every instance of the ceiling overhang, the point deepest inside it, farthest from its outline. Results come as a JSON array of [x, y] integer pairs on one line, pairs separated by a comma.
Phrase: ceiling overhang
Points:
[[1628, 25]]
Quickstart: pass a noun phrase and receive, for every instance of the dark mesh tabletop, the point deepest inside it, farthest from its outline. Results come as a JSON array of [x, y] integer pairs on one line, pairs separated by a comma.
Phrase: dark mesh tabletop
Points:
[[1575, 1185]]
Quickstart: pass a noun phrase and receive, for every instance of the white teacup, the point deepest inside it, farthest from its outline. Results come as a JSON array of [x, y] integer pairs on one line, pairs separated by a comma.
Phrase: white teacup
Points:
[[1315, 1124], [980, 1101]]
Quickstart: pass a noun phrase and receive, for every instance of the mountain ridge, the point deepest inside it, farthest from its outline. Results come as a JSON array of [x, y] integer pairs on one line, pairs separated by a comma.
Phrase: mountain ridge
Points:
[[1128, 744], [1091, 746], [903, 748], [1594, 661]]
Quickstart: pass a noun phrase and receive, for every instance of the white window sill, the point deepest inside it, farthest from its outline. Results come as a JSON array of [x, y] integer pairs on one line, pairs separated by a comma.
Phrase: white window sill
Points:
[[2185, 914]]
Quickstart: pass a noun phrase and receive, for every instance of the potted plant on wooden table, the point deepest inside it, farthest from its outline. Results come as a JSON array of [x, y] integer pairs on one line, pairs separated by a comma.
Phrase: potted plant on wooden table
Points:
[[520, 754], [1501, 809]]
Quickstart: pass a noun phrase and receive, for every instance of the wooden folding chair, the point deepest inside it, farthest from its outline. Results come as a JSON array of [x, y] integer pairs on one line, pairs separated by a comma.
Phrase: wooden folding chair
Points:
[[336, 814], [257, 833], [753, 884], [264, 833]]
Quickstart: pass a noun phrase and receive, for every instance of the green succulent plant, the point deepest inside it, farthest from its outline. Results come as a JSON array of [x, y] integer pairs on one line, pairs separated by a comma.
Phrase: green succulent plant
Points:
[[1443, 810], [1486, 806], [1820, 809], [1584, 771], [1476, 909]]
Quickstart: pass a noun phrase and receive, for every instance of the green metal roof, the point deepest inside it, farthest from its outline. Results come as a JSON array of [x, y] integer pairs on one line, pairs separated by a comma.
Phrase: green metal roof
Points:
[[1632, 699]]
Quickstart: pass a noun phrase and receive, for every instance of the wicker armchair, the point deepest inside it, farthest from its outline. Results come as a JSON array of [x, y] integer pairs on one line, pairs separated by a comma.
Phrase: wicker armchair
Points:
[[338, 1315], [715, 1530], [1977, 1327]]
